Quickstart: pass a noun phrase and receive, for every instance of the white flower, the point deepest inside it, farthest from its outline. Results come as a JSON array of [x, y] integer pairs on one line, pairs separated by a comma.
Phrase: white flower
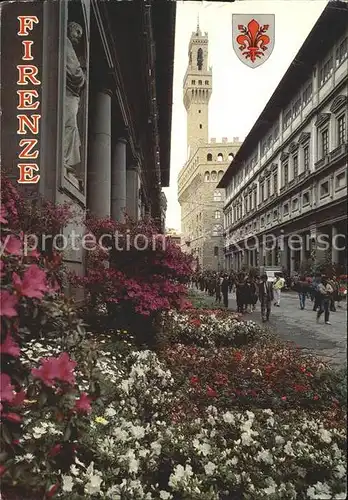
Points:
[[38, 432], [228, 418], [93, 486], [325, 435], [320, 490], [110, 412], [209, 468], [156, 447], [164, 495], [68, 483], [133, 465], [264, 456]]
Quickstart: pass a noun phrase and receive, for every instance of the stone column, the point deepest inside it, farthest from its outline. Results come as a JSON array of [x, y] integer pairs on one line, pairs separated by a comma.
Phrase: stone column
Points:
[[99, 167], [303, 258], [132, 192], [292, 261], [118, 181], [334, 242]]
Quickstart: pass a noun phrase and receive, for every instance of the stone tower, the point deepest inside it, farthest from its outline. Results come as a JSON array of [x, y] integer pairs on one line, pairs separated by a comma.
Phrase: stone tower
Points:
[[197, 90]]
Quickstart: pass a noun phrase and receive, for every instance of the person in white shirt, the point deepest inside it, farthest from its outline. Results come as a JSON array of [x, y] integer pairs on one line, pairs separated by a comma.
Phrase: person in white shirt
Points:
[[277, 288]]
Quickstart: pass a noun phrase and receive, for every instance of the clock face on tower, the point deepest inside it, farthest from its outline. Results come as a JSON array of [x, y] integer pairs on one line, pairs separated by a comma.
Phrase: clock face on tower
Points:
[[199, 58]]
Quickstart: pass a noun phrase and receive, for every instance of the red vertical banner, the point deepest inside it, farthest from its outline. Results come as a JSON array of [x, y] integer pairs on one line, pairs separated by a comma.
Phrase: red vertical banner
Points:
[[21, 37]]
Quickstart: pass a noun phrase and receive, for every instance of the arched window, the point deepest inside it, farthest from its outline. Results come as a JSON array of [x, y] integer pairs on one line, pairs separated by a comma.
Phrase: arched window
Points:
[[199, 82], [217, 196], [217, 230], [209, 157], [220, 174], [217, 214], [220, 157], [230, 156], [199, 58], [213, 177], [206, 176]]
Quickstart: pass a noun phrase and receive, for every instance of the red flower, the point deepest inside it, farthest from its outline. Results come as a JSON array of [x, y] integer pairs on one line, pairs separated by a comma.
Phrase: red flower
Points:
[[12, 417], [237, 356], [55, 450], [7, 304], [83, 405], [300, 388], [33, 284], [52, 490], [60, 368], [211, 392], [283, 398], [315, 397], [196, 322], [194, 380], [3, 469], [10, 347]]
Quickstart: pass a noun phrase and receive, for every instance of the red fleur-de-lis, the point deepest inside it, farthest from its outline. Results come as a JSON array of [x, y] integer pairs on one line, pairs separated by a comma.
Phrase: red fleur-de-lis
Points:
[[253, 42]]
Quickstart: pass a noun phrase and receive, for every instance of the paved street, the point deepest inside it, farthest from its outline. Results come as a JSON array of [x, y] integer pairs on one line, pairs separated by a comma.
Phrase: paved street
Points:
[[290, 323]]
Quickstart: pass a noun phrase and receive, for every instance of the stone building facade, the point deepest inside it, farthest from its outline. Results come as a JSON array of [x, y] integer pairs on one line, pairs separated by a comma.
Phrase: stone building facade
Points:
[[286, 189], [104, 73], [200, 200]]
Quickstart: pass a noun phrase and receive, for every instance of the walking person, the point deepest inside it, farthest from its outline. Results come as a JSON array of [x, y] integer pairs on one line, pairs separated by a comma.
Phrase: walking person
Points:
[[240, 293], [301, 287], [315, 284], [219, 281], [224, 289], [325, 291], [277, 288], [266, 297]]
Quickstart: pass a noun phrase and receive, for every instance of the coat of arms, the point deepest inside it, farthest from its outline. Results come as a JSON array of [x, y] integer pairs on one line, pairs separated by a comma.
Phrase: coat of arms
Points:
[[253, 37]]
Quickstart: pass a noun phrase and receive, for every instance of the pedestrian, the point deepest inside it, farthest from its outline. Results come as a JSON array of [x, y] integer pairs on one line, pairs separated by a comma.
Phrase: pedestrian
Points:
[[315, 284], [240, 293], [277, 288], [335, 286], [325, 291], [224, 289], [301, 288], [266, 297], [218, 289]]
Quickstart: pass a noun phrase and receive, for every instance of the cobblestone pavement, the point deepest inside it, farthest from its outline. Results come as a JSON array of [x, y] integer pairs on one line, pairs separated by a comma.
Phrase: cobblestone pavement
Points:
[[292, 324]]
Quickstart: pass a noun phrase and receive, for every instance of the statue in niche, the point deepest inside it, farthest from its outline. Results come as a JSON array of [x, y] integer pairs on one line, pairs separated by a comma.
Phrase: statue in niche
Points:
[[199, 58], [75, 81]]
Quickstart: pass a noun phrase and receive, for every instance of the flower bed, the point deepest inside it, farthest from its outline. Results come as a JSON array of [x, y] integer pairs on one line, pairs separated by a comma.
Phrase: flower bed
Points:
[[125, 444], [259, 376], [209, 328]]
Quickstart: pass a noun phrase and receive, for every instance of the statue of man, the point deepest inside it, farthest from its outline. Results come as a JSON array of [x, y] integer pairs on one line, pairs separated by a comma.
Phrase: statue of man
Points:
[[75, 81]]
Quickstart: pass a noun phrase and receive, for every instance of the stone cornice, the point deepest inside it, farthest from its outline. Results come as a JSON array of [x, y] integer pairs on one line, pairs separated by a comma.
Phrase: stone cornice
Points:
[[284, 156], [293, 147]]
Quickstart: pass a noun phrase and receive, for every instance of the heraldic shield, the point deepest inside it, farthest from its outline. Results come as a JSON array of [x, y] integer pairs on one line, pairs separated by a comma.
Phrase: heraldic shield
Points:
[[253, 37]]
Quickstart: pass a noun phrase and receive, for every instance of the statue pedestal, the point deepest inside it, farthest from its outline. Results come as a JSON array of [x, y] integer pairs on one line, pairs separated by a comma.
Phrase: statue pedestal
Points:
[[71, 176]]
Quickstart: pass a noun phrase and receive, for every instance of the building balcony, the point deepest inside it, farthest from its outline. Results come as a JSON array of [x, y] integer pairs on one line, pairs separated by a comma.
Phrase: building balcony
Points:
[[338, 152], [322, 162]]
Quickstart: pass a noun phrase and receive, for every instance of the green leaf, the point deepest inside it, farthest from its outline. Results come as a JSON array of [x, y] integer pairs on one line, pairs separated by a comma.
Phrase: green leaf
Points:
[[43, 398], [6, 434], [67, 433]]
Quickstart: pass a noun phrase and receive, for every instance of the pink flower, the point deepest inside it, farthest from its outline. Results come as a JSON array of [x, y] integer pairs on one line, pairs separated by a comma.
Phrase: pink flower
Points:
[[3, 214], [60, 368], [7, 304], [19, 397], [283, 398], [10, 347], [52, 490], [13, 245], [33, 284], [3, 469], [6, 388], [83, 405]]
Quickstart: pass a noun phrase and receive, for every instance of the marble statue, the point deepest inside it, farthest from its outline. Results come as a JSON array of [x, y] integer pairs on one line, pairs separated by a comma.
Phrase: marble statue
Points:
[[75, 81]]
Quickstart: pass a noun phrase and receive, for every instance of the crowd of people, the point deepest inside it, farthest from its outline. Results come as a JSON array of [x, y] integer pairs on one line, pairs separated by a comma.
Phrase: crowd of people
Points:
[[249, 289]]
